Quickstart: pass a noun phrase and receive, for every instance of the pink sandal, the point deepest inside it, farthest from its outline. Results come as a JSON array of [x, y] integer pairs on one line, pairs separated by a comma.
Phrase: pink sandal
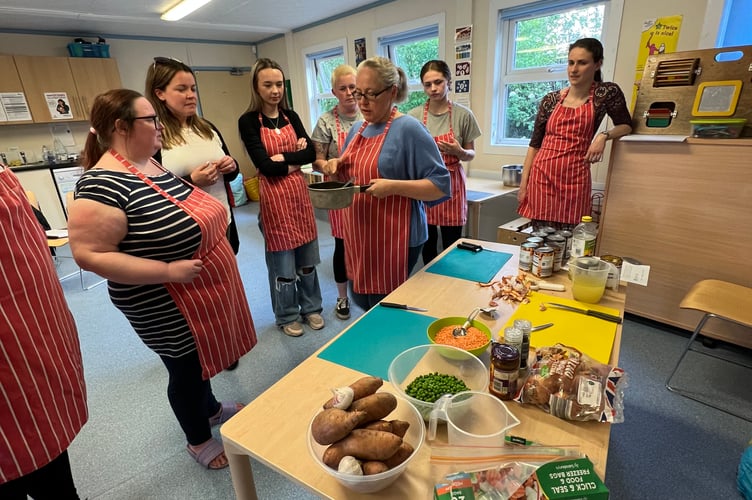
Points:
[[208, 453], [226, 411]]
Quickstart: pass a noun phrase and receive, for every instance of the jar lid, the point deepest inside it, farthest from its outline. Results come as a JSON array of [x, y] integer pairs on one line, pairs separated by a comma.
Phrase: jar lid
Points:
[[505, 352]]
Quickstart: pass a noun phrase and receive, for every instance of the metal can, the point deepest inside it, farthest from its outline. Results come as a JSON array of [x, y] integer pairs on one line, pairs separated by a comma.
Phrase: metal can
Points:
[[535, 239], [614, 273], [567, 234], [543, 262], [558, 243], [539, 234], [526, 255], [548, 229], [505, 369]]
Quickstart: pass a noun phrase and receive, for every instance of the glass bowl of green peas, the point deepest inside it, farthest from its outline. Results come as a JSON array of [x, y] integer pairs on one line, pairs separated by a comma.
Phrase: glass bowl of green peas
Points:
[[424, 373]]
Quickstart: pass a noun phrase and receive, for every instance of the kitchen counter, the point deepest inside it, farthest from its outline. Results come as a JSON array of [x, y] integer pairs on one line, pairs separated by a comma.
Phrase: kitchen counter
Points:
[[40, 165]]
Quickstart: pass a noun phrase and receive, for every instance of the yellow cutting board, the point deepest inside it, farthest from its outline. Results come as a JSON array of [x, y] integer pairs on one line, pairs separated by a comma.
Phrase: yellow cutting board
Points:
[[590, 335]]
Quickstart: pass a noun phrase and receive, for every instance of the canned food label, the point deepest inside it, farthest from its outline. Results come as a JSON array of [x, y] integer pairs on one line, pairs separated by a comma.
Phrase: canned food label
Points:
[[543, 262]]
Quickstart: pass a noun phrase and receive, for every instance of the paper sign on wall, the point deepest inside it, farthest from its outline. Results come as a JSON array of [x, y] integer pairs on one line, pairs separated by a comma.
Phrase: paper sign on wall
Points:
[[659, 36], [13, 107], [58, 104]]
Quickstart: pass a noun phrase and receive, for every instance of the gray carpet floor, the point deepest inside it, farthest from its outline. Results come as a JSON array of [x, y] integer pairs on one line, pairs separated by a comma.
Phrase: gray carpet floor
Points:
[[669, 447]]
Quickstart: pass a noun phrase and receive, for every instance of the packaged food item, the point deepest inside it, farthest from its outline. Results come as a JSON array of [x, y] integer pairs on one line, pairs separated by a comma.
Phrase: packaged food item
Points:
[[570, 385]]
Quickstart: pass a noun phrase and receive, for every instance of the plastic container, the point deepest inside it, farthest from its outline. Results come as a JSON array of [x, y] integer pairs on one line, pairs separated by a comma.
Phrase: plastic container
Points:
[[440, 323], [430, 358], [584, 237], [718, 128], [589, 276], [89, 49], [376, 482], [473, 418]]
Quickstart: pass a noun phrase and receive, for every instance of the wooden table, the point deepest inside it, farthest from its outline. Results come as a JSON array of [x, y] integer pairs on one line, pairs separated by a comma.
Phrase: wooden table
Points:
[[273, 427], [481, 191]]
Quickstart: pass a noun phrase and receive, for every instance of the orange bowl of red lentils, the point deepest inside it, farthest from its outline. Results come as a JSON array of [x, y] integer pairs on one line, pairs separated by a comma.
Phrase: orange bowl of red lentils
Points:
[[476, 341]]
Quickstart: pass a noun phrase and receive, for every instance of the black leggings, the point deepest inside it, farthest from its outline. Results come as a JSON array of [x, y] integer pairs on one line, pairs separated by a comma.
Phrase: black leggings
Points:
[[338, 261], [191, 397], [449, 234], [367, 300], [53, 481]]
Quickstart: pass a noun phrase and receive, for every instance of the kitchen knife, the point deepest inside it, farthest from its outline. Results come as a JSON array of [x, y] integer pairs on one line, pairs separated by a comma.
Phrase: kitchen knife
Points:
[[588, 312], [541, 327], [402, 306]]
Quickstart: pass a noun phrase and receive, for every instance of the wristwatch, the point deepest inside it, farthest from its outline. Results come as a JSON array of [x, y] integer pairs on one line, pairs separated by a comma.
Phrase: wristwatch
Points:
[[608, 136]]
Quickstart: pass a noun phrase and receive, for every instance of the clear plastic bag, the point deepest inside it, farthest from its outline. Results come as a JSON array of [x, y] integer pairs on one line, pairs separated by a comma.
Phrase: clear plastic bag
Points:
[[570, 385]]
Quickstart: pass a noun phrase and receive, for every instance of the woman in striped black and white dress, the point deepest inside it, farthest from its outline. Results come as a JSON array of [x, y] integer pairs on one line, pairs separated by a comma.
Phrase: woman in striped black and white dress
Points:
[[161, 244]]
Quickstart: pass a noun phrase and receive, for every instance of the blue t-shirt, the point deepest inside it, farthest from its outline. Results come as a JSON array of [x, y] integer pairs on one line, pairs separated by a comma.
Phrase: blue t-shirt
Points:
[[409, 153]]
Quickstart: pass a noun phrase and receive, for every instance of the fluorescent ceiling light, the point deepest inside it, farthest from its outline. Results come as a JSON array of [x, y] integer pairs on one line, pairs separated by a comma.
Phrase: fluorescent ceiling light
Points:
[[182, 9]]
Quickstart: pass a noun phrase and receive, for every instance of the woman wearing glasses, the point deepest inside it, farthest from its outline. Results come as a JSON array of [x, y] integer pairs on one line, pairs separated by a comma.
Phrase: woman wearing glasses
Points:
[[278, 145], [454, 128], [192, 147], [329, 140], [161, 244], [386, 227]]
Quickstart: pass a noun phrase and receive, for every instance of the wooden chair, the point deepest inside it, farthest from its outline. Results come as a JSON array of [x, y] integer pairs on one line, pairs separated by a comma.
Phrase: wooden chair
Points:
[[717, 299]]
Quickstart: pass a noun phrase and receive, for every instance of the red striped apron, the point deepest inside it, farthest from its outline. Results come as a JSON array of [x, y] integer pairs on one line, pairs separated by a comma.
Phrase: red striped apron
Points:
[[42, 391], [377, 230], [214, 303], [286, 210], [558, 188], [452, 212], [335, 216]]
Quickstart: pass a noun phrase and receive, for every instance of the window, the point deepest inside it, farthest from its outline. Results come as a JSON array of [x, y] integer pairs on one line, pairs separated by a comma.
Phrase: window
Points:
[[532, 48], [319, 67], [410, 46], [735, 23]]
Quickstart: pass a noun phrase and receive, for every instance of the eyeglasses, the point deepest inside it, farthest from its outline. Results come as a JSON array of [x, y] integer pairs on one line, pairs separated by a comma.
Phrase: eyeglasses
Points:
[[166, 60], [369, 96], [154, 118]]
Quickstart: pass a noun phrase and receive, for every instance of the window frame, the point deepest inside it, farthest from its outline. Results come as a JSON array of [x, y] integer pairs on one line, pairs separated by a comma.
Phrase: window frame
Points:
[[310, 56], [498, 38]]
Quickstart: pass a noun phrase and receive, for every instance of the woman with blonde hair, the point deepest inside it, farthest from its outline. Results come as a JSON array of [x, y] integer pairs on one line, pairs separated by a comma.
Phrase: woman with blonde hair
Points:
[[394, 154], [278, 146], [329, 140]]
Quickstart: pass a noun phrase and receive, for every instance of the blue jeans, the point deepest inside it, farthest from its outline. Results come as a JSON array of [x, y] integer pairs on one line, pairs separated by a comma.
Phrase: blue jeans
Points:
[[367, 300], [294, 283]]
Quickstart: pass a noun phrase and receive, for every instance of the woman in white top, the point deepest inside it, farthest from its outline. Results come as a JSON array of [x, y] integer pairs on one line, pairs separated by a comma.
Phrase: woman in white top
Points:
[[192, 147]]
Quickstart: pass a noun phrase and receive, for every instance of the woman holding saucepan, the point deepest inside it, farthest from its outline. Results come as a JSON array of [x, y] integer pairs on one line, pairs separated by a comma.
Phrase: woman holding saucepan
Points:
[[329, 140], [555, 186], [454, 128], [278, 145], [398, 158]]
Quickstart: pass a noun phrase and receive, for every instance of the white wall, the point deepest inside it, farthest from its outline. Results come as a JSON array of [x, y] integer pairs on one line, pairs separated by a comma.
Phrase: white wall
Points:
[[698, 31], [133, 58]]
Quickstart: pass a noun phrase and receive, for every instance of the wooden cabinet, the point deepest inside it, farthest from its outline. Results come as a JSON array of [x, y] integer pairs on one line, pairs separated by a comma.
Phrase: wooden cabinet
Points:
[[10, 82], [684, 209], [82, 79], [93, 76], [40, 75]]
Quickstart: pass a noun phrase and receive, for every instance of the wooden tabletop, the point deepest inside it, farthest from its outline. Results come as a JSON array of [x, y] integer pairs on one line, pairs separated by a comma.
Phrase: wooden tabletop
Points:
[[273, 427]]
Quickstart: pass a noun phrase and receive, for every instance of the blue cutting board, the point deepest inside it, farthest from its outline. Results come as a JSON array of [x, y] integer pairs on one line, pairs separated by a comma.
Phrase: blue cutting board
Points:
[[372, 342], [473, 266]]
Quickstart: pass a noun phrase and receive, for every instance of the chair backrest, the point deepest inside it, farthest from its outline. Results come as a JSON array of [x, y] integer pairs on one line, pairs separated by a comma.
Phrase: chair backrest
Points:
[[32, 199]]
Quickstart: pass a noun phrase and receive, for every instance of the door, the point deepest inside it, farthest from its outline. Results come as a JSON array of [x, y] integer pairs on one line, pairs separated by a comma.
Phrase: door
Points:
[[224, 97], [42, 75], [10, 82], [93, 76]]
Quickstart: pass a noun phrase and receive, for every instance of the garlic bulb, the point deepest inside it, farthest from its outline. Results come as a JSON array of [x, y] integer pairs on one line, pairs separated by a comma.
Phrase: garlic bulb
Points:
[[350, 465], [343, 397]]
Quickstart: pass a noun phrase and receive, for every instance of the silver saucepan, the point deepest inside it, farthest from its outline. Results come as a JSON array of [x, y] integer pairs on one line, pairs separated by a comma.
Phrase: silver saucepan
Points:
[[333, 194]]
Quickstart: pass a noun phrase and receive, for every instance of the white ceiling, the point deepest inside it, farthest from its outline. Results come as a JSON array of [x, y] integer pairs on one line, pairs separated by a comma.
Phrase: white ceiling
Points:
[[227, 20]]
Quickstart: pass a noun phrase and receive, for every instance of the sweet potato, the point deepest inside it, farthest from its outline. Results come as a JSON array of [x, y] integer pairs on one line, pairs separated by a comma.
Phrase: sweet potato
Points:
[[398, 427], [361, 388], [333, 424], [377, 405], [402, 454], [363, 444], [374, 467]]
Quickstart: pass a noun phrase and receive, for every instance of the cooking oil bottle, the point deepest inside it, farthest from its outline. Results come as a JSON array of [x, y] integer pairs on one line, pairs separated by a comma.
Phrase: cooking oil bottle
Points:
[[584, 237]]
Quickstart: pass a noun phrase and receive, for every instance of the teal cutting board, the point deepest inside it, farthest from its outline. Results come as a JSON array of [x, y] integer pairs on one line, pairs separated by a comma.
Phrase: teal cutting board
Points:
[[371, 343], [473, 266]]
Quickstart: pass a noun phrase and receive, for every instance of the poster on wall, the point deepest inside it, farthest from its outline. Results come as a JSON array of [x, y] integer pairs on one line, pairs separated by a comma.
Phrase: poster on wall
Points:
[[463, 51], [463, 34], [58, 104], [360, 50], [13, 107], [659, 36], [462, 68]]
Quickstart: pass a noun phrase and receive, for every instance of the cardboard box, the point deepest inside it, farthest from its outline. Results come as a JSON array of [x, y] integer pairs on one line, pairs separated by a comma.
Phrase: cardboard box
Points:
[[514, 232]]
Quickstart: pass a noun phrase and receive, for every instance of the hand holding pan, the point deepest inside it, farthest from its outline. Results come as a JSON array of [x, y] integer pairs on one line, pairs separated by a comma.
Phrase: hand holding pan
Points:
[[333, 194]]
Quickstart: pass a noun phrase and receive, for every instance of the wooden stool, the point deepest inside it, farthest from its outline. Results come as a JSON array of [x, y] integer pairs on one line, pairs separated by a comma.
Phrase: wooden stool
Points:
[[717, 299]]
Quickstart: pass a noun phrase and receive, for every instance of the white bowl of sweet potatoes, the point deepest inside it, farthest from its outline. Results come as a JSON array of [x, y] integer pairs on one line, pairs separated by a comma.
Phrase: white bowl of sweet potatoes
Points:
[[368, 444]]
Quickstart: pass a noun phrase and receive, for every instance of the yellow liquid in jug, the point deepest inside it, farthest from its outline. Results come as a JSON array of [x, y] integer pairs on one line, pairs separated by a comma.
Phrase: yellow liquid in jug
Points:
[[587, 291]]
